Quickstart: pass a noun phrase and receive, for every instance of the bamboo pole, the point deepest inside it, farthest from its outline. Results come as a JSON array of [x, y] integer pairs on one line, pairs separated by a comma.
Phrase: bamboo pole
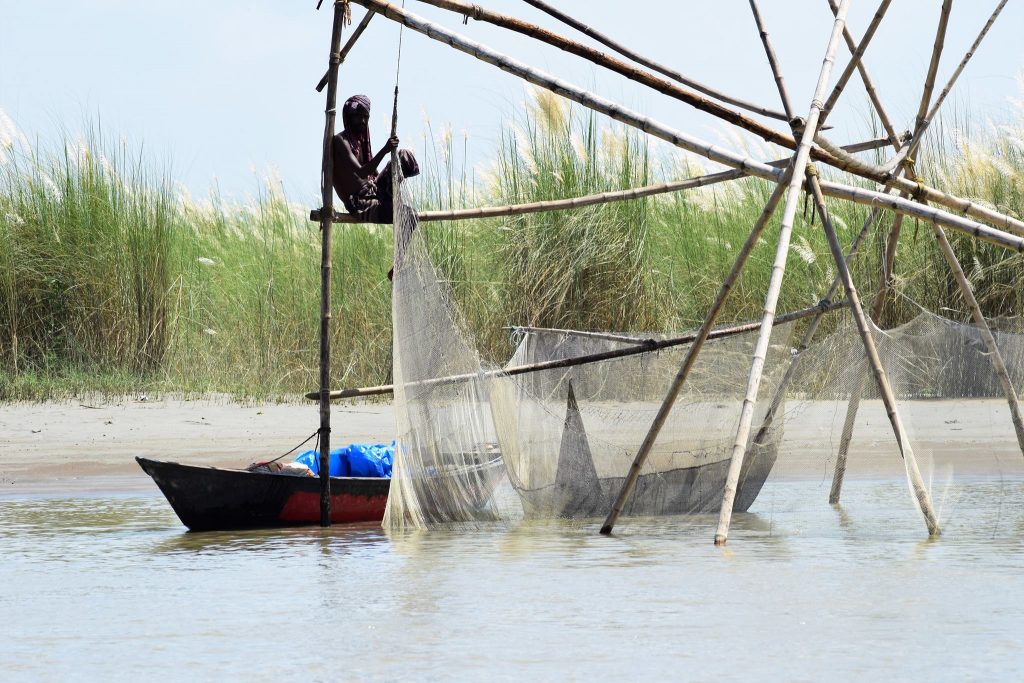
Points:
[[773, 61], [919, 122], [888, 399], [994, 354], [869, 85], [889, 261], [715, 153], [348, 47], [775, 281], [583, 334], [327, 197], [618, 66], [783, 387], [855, 58], [654, 66], [594, 199], [645, 346], [690, 360]]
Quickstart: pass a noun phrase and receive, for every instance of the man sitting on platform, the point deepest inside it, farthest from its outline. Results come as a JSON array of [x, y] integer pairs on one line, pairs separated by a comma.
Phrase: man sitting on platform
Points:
[[366, 195]]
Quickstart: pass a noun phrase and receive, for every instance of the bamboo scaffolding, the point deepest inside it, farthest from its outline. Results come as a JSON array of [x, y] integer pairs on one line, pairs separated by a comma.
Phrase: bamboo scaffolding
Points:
[[869, 85], [618, 66], [855, 58], [783, 387], [347, 48], [594, 199], [690, 360], [654, 66], [715, 153], [327, 197], [888, 399], [775, 281], [644, 346], [994, 353]]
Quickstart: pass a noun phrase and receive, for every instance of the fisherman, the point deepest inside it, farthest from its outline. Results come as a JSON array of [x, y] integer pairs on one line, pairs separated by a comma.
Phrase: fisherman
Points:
[[366, 195]]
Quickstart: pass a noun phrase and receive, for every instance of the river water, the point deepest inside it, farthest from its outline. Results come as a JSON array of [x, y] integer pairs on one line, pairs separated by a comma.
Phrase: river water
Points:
[[111, 587]]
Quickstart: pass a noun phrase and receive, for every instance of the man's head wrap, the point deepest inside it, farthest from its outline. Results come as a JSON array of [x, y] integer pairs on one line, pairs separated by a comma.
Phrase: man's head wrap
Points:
[[359, 142]]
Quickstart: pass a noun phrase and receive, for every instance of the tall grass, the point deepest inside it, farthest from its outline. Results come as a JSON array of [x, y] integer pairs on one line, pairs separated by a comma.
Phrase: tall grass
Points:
[[113, 279]]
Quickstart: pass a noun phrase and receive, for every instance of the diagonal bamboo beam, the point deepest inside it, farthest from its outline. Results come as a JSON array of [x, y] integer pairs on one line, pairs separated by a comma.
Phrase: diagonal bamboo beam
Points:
[[869, 85], [654, 66], [715, 153], [771, 299], [888, 399], [783, 387], [618, 66], [690, 360], [855, 58], [347, 48], [995, 355], [773, 60]]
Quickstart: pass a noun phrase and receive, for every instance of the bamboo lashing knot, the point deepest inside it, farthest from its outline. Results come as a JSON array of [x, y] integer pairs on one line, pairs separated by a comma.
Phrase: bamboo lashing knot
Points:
[[347, 9], [476, 11]]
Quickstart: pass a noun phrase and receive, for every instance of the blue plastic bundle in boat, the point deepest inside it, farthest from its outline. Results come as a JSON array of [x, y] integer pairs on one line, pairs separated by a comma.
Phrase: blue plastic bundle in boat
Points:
[[354, 460]]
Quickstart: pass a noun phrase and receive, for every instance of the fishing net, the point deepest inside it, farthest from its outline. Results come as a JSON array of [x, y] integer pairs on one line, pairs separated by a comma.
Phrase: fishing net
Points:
[[556, 442], [479, 444], [950, 399]]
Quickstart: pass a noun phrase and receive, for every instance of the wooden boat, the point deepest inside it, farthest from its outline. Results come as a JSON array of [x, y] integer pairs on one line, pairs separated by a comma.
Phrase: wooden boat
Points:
[[217, 499], [211, 498]]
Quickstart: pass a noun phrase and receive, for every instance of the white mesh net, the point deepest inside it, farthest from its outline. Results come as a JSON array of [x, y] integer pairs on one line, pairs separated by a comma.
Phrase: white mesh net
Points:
[[477, 445]]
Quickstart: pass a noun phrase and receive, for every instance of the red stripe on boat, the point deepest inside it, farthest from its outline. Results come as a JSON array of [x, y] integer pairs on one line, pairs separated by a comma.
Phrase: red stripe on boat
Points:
[[303, 506]]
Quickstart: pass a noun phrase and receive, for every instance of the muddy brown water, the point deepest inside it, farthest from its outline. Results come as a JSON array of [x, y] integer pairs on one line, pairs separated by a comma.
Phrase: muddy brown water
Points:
[[110, 586]]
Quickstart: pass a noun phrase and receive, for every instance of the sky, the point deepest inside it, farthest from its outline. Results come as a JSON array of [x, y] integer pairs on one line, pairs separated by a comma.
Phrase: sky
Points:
[[223, 92]]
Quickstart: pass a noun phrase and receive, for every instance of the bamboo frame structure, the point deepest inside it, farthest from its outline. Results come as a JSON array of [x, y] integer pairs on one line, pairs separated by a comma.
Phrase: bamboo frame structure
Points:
[[789, 176], [922, 122], [775, 281], [327, 197], [713, 152], [592, 199], [642, 346], [654, 66]]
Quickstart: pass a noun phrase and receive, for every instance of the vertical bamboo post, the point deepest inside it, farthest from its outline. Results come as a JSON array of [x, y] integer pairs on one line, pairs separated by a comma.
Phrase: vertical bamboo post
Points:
[[326, 216], [888, 399], [691, 358], [775, 281]]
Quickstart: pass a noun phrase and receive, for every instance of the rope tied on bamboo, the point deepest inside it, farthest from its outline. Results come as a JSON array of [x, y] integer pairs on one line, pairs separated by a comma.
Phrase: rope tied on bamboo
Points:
[[347, 9], [477, 12]]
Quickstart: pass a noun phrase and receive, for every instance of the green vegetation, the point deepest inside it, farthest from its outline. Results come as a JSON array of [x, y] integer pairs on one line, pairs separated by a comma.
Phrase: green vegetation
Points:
[[112, 280]]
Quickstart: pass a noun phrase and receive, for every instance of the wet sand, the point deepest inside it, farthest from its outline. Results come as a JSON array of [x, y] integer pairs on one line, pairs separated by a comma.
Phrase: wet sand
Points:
[[88, 447]]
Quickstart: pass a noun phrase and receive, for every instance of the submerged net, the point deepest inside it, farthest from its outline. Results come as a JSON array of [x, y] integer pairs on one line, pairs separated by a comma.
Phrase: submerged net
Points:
[[476, 445]]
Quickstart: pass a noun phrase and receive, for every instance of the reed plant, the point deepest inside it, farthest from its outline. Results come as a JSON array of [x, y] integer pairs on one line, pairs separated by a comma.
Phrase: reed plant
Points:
[[112, 279]]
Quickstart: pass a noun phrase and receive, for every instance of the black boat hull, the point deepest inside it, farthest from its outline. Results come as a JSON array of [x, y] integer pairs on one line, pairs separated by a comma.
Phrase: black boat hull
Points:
[[210, 498]]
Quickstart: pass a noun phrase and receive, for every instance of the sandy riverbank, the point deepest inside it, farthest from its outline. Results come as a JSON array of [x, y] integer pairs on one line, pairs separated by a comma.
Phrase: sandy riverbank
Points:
[[87, 446]]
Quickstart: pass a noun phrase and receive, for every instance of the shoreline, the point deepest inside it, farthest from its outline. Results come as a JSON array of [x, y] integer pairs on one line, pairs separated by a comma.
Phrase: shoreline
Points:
[[77, 448]]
